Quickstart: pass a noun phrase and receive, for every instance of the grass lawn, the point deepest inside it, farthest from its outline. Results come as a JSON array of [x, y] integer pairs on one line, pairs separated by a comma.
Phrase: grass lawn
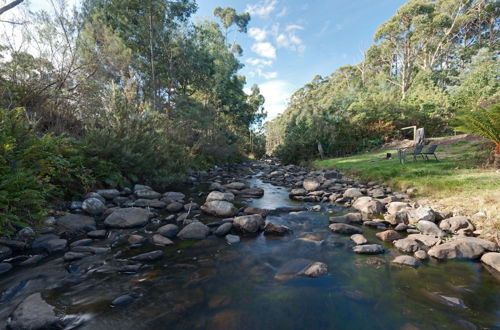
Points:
[[456, 182]]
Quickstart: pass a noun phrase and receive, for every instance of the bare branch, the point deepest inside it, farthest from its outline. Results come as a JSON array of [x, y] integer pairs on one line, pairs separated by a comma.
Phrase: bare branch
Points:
[[10, 6]]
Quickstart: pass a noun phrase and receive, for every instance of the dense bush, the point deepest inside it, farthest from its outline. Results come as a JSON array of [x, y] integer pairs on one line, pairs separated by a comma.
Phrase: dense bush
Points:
[[35, 169]]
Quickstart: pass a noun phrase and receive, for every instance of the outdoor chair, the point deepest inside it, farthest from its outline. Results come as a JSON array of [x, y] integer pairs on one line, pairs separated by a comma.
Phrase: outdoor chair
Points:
[[430, 151], [418, 151]]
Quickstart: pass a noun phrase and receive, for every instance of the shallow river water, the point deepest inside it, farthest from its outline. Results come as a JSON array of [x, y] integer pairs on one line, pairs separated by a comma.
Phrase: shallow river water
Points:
[[211, 285]]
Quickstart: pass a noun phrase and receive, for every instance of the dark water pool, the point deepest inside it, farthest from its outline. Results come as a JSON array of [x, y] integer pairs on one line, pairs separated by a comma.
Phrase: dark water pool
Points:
[[211, 285]]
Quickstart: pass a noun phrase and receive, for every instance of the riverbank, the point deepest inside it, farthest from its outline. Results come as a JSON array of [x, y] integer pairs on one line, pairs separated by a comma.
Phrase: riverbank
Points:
[[456, 183], [254, 245]]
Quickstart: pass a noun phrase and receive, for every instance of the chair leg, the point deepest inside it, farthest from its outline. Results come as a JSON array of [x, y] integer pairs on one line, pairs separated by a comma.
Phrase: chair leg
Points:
[[436, 157]]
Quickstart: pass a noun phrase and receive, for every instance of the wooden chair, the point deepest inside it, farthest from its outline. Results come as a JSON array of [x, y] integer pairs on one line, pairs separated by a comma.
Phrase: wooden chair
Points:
[[418, 151]]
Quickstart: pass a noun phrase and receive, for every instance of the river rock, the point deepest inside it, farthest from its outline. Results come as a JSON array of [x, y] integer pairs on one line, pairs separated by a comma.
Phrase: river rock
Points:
[[395, 207], [311, 184], [232, 239], [161, 240], [175, 207], [34, 313], [388, 235], [492, 259], [191, 206], [352, 193], [427, 240], [220, 196], [422, 213], [169, 230], [368, 249], [464, 247], [299, 267], [75, 224], [407, 261], [359, 239], [149, 256], [276, 230], [93, 206], [32, 260], [224, 229], [454, 224], [429, 228], [5, 267], [55, 245], [252, 192], [343, 228], [5, 252], [249, 223], [316, 269], [420, 254], [72, 256], [368, 205], [219, 208], [297, 192], [108, 193], [195, 230], [136, 239], [130, 217], [26, 234], [81, 242], [407, 245], [174, 196], [147, 194], [236, 186], [91, 194]]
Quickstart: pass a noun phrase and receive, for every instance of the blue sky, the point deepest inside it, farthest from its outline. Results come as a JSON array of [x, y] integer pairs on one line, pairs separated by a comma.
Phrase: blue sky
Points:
[[290, 41]]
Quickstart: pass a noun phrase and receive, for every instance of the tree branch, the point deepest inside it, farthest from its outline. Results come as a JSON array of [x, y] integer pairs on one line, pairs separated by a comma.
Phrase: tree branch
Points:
[[10, 6]]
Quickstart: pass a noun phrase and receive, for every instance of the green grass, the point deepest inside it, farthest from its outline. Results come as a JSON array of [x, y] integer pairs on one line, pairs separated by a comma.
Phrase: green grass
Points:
[[455, 181]]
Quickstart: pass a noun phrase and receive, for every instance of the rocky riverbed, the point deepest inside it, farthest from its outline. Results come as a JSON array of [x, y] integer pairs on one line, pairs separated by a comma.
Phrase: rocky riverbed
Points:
[[255, 245]]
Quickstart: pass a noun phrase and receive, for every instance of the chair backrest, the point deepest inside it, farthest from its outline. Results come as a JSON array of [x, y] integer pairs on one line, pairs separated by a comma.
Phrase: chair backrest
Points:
[[432, 148], [418, 148]]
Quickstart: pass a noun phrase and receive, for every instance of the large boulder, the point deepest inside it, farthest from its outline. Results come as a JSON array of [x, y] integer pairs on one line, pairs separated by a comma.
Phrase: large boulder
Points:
[[343, 228], [130, 217], [407, 245], [169, 230], [426, 240], [220, 196], [249, 223], [276, 230], [76, 223], [388, 235], [34, 313], [492, 259], [429, 228], [359, 239], [93, 206], [465, 247], [394, 207], [224, 229], [195, 230], [236, 186], [109, 193], [174, 196], [219, 208], [368, 205], [454, 224], [407, 261], [352, 193], [311, 184], [421, 213], [147, 194], [368, 249], [301, 267]]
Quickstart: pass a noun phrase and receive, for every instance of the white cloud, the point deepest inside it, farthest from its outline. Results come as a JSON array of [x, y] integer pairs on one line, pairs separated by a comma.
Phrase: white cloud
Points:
[[264, 49], [276, 93], [267, 75], [282, 12], [260, 62], [292, 27], [290, 41], [257, 34], [262, 8]]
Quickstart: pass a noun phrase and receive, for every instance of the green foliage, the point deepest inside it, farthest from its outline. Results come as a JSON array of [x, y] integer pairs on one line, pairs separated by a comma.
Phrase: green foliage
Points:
[[35, 169], [484, 122], [138, 141]]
